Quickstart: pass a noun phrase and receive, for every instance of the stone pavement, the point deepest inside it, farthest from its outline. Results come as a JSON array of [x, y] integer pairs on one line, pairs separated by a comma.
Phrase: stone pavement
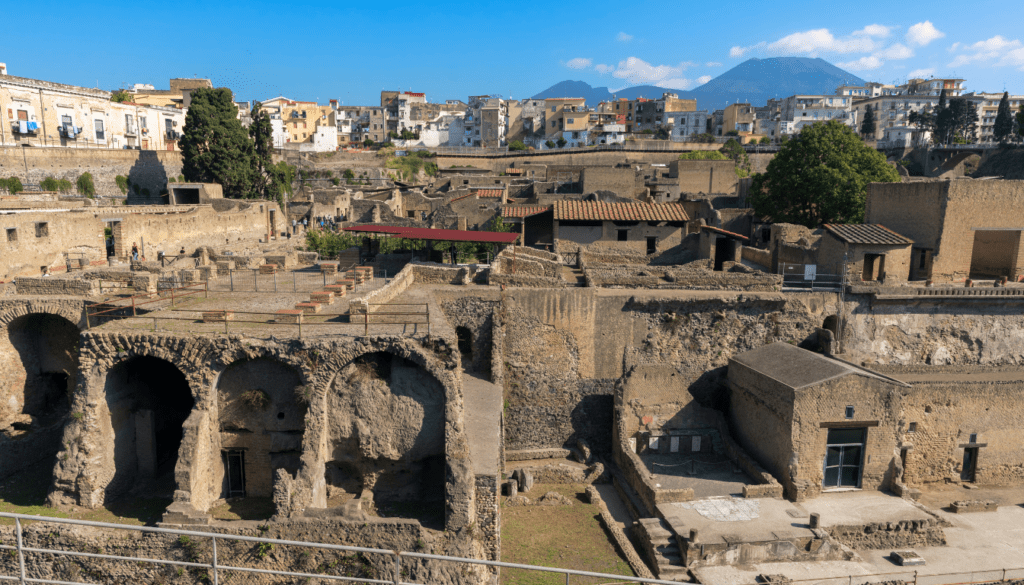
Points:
[[483, 402]]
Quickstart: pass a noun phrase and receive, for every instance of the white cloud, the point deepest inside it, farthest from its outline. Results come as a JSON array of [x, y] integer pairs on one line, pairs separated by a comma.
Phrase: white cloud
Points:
[[712, 64], [1014, 58], [578, 63], [862, 64], [922, 73], [923, 33], [602, 68], [637, 71], [953, 47], [741, 51], [996, 47], [675, 83], [703, 79], [873, 30], [814, 42], [623, 37], [895, 52]]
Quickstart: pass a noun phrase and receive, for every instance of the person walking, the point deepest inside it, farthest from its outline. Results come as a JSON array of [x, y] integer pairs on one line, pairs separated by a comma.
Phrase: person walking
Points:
[[135, 251]]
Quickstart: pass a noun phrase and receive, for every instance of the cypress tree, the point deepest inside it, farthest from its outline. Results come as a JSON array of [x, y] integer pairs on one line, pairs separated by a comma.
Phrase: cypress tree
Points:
[[867, 126], [1004, 121]]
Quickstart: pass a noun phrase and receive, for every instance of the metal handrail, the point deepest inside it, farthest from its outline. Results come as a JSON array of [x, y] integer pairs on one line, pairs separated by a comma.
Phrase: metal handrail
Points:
[[134, 305], [216, 569]]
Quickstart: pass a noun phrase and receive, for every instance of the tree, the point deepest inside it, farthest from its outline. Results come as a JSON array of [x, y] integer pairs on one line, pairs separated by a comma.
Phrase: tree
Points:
[[1004, 120], [85, 185], [1020, 121], [765, 140], [734, 150], [561, 142], [368, 142], [820, 176], [262, 133], [549, 144], [121, 96], [12, 184], [867, 126], [215, 148], [961, 118], [517, 145]]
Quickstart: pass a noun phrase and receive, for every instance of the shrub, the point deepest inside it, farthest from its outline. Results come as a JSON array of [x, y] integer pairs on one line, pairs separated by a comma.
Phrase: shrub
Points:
[[171, 180], [549, 144], [335, 181], [348, 174], [85, 185], [122, 183], [703, 155], [561, 142], [516, 145], [256, 398], [12, 184], [368, 142], [52, 184]]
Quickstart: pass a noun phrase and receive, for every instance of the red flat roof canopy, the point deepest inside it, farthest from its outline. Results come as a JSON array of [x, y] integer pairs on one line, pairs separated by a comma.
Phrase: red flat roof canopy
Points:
[[437, 235]]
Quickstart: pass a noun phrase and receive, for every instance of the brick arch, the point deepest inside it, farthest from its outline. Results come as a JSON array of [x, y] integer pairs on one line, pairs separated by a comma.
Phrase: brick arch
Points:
[[338, 361], [64, 310], [200, 379]]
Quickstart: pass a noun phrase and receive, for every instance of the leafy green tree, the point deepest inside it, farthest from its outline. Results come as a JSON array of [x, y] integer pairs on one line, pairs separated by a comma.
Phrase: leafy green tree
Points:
[[121, 96], [550, 144], [820, 176], [867, 125], [765, 140], [561, 142], [734, 150], [1004, 120], [368, 142], [215, 148], [517, 145], [52, 184], [662, 133], [962, 120], [705, 138], [12, 184], [85, 185]]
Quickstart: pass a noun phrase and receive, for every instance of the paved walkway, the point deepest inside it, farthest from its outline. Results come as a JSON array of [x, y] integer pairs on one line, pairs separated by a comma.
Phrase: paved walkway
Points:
[[483, 404]]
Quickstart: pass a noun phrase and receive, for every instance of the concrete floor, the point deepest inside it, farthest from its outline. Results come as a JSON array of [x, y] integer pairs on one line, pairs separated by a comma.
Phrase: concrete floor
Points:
[[980, 546], [712, 475]]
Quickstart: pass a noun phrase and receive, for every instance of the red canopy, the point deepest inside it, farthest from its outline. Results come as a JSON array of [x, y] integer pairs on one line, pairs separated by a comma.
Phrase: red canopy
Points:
[[437, 235]]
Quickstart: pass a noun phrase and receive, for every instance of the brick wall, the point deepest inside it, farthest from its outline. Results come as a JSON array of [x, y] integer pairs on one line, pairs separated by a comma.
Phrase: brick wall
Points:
[[146, 168]]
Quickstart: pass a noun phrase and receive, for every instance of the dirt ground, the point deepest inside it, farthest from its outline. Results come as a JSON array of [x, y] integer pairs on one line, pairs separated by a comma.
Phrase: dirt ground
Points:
[[567, 537]]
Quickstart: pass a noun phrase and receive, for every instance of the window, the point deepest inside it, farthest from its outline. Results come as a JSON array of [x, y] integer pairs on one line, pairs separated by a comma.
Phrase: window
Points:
[[12, 234], [42, 230], [849, 412], [99, 129], [128, 123], [553, 108], [623, 235], [974, 438], [913, 427]]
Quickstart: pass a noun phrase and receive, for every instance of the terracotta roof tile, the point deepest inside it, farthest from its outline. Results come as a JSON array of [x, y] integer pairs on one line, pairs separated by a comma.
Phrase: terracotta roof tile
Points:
[[718, 230], [523, 210], [490, 192], [867, 234], [600, 211]]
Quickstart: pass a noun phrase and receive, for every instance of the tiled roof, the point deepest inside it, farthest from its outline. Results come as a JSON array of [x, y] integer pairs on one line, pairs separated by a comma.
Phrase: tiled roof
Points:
[[523, 210], [718, 230], [459, 198], [867, 234], [597, 210], [513, 171], [490, 192]]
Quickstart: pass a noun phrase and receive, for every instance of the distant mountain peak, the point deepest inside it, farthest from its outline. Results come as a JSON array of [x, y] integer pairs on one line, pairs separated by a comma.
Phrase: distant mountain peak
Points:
[[753, 81]]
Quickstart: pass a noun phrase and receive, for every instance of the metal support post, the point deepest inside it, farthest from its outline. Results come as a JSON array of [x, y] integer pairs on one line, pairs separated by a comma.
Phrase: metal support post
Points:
[[21, 553], [275, 281], [172, 298], [133, 307], [300, 326], [295, 287], [231, 275], [256, 280], [398, 568], [154, 323], [213, 569], [366, 322]]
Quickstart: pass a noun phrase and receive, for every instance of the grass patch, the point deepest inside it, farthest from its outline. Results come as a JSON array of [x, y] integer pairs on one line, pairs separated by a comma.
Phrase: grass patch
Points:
[[566, 537]]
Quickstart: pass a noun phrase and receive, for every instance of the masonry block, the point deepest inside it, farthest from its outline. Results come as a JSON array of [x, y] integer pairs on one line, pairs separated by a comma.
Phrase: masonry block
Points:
[[288, 315], [323, 296], [309, 308]]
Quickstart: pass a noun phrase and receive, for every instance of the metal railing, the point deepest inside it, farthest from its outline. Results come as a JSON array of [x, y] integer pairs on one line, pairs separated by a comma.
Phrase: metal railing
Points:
[[795, 277], [251, 280], [217, 569], [112, 310]]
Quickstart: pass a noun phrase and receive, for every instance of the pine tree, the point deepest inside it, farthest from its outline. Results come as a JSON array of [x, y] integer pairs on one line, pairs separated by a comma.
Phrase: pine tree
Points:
[[215, 148], [867, 126], [262, 133], [1004, 120]]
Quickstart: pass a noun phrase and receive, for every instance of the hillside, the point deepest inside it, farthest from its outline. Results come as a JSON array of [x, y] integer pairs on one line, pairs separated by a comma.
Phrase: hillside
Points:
[[754, 81]]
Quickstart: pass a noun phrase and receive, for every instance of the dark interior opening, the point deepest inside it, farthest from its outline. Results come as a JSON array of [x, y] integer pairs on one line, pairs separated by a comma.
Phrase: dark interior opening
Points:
[[465, 338], [186, 196], [725, 251]]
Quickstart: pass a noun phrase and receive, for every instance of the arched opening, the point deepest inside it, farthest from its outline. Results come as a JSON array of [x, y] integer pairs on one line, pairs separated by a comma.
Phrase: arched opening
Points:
[[386, 429], [832, 324], [149, 400], [262, 416], [40, 367]]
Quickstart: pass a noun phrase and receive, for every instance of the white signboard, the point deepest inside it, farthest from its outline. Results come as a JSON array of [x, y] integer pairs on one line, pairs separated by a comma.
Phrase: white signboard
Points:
[[674, 445], [652, 443], [810, 271], [695, 443]]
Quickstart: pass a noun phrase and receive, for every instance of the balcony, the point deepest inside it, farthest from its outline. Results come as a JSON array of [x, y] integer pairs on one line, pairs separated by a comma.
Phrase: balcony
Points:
[[22, 127]]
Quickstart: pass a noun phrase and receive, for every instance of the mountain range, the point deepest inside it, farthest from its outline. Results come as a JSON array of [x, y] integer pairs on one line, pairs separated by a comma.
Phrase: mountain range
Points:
[[754, 81]]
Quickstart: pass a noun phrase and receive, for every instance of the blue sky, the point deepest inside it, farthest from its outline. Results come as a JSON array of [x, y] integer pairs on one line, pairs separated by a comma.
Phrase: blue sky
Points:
[[351, 50]]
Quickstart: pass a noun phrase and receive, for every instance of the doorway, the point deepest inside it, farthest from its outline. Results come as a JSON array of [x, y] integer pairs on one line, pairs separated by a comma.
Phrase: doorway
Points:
[[994, 254], [652, 245], [725, 251], [874, 267], [844, 458], [234, 473], [970, 466]]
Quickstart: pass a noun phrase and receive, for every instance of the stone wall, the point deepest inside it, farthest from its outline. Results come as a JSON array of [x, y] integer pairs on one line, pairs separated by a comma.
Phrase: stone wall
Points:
[[148, 169], [58, 286]]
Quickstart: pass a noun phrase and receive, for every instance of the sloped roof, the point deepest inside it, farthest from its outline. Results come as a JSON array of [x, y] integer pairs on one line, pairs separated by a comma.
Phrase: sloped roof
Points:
[[718, 230], [490, 192], [601, 211], [523, 210], [799, 368], [437, 235], [867, 234]]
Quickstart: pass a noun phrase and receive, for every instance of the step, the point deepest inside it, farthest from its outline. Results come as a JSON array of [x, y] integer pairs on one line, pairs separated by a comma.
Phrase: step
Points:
[[322, 296], [309, 308]]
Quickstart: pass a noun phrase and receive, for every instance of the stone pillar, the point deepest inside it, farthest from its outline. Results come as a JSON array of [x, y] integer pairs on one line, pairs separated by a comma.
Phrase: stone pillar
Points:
[[145, 443]]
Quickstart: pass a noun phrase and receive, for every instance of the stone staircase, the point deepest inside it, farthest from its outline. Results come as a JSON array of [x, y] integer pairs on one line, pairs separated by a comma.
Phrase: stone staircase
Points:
[[662, 551]]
